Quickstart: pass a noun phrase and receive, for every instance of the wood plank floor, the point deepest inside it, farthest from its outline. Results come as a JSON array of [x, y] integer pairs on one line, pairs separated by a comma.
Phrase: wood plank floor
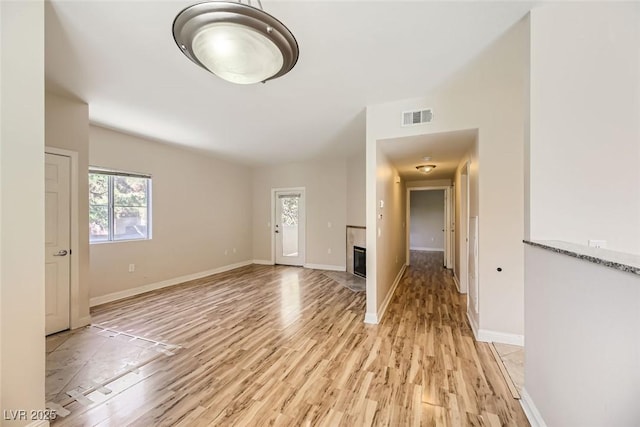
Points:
[[266, 345]]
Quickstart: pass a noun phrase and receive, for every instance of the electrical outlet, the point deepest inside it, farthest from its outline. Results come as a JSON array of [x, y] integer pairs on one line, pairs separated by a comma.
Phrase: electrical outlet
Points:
[[329, 224], [329, 251], [597, 243], [132, 268]]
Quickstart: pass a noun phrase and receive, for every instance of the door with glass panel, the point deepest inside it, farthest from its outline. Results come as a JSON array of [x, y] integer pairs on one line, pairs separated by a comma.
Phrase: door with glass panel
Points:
[[289, 227]]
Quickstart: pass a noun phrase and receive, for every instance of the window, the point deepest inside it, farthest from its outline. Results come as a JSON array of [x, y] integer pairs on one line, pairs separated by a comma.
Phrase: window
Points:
[[119, 206]]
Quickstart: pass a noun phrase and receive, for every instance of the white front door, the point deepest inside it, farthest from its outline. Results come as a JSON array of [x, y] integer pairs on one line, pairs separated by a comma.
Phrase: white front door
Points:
[[57, 242], [289, 227]]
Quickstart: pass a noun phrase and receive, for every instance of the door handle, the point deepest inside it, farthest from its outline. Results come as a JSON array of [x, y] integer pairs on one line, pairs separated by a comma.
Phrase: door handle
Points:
[[61, 253]]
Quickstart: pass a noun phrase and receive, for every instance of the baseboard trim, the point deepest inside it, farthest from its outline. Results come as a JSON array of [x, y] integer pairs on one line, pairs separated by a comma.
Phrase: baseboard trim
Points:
[[383, 308], [455, 280], [262, 262], [485, 335], [115, 296], [371, 318], [500, 337], [426, 249], [326, 267], [530, 409], [83, 321], [474, 326]]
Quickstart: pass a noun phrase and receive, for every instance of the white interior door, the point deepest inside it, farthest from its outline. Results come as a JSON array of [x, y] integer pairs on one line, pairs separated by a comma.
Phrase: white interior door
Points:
[[57, 242], [289, 227]]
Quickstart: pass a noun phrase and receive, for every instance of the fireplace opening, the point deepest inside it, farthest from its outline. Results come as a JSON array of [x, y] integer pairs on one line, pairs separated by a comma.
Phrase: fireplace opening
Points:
[[360, 261]]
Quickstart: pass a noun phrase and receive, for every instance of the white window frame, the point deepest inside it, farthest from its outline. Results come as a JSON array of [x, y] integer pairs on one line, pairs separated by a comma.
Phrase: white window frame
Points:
[[111, 173]]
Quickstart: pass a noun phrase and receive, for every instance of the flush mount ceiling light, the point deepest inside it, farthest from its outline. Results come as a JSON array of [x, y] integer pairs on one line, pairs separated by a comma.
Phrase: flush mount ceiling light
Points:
[[235, 41], [425, 168]]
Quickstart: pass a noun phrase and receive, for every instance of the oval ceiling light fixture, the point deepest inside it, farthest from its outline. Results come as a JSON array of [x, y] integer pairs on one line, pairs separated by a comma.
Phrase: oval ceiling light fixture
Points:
[[425, 168], [235, 41]]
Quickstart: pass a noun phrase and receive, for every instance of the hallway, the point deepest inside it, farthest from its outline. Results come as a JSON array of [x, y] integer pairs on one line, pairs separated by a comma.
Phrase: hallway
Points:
[[278, 345]]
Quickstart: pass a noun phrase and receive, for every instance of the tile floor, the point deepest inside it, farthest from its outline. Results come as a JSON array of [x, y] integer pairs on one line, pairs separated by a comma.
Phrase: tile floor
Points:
[[513, 359]]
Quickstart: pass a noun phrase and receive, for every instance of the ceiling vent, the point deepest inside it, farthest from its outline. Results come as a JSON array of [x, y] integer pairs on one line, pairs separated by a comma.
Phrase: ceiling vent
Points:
[[417, 117]]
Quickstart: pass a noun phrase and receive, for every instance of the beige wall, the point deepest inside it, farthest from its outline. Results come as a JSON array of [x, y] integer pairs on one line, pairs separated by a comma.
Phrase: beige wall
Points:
[[488, 94], [387, 233], [21, 207], [582, 361], [67, 127], [583, 183], [585, 108], [325, 183], [201, 208], [426, 220], [356, 190]]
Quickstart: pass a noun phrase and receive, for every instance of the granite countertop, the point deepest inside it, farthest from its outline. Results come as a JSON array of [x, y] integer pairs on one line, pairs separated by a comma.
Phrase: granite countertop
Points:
[[605, 257]]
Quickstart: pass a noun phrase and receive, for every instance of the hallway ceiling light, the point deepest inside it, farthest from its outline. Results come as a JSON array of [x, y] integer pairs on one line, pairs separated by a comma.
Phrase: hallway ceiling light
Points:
[[235, 41], [425, 168]]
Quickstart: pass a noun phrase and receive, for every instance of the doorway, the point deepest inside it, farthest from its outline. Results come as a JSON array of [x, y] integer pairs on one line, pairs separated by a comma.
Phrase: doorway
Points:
[[57, 243], [430, 219], [289, 226]]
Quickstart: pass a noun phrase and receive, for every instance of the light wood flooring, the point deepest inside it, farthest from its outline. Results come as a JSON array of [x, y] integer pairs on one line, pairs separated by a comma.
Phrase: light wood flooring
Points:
[[266, 345]]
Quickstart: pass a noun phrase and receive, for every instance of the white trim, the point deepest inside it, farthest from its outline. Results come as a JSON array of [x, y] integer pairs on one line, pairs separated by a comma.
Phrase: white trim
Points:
[[38, 423], [83, 321], [301, 221], [371, 318], [383, 308], [485, 335], [474, 326], [163, 284], [530, 409], [455, 280], [262, 262], [426, 249], [75, 321], [408, 216], [326, 267]]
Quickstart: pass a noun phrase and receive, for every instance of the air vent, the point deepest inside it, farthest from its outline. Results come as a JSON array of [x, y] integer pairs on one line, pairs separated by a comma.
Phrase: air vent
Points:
[[410, 118]]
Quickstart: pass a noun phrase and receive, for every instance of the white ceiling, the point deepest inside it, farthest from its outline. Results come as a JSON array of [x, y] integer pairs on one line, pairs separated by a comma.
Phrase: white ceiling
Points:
[[446, 150], [120, 58]]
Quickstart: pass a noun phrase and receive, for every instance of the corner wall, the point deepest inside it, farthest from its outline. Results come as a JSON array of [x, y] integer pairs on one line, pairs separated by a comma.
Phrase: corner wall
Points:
[[201, 216], [22, 309], [582, 358], [585, 109], [387, 231], [67, 127], [356, 190]]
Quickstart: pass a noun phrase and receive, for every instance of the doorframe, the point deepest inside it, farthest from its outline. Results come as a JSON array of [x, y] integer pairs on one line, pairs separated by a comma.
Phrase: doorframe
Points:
[[464, 228], [75, 321], [302, 219], [447, 227]]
